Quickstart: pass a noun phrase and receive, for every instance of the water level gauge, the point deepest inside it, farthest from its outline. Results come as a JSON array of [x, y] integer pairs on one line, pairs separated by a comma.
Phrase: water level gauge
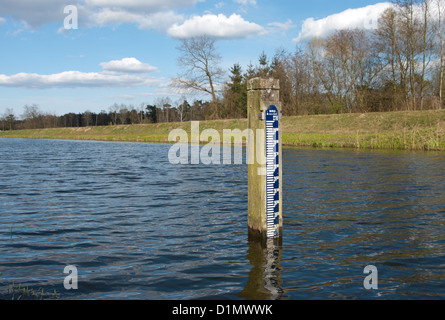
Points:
[[272, 172]]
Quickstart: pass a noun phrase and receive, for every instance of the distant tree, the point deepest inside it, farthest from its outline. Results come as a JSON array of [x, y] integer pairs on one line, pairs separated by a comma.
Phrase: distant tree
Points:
[[134, 116], [236, 78], [250, 73], [152, 113], [9, 119], [235, 95], [141, 112], [388, 42], [103, 118], [263, 68], [200, 61], [123, 114], [87, 118], [183, 110], [439, 31], [114, 111], [32, 117], [197, 110]]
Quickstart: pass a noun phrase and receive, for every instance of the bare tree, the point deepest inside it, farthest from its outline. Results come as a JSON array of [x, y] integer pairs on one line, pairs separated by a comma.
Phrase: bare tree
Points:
[[315, 56], [199, 60], [123, 114], [426, 45], [32, 116], [141, 112], [114, 109], [357, 64], [163, 105], [387, 42], [182, 108], [439, 30], [87, 118], [410, 29]]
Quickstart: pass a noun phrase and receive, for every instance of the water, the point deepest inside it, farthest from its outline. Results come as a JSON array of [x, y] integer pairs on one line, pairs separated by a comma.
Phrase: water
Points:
[[137, 227]]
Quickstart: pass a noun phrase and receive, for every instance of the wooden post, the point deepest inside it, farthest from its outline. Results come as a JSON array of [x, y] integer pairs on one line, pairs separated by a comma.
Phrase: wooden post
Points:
[[262, 94]]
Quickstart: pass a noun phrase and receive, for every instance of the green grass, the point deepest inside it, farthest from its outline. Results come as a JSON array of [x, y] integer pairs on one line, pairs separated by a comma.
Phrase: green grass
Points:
[[13, 291], [407, 130], [19, 292]]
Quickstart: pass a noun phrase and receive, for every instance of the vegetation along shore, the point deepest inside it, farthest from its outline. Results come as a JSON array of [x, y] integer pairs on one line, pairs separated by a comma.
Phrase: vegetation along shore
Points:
[[403, 130]]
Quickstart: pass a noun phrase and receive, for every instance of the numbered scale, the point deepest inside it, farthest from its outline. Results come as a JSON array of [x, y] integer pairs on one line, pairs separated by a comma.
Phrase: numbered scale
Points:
[[272, 172]]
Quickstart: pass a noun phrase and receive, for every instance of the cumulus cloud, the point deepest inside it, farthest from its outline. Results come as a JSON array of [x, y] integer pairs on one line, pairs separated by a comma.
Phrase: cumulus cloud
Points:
[[127, 65], [219, 26], [362, 18], [161, 15], [35, 13], [148, 14], [2, 20], [160, 21], [127, 72]]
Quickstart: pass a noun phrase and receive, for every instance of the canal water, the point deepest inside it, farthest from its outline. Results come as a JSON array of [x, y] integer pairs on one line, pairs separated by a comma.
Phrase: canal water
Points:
[[137, 227]]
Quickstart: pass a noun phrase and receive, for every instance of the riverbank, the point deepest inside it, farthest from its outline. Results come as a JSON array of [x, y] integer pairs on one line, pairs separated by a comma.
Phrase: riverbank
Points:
[[404, 130]]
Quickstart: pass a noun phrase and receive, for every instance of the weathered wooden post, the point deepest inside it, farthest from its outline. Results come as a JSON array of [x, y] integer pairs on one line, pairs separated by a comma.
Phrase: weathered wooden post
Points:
[[264, 158]]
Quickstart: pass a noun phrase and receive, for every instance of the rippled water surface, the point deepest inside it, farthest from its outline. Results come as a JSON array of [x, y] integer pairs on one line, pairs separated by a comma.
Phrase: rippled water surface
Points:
[[138, 227]]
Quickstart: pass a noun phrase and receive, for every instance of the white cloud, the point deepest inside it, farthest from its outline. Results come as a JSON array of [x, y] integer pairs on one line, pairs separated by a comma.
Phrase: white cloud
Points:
[[219, 5], [35, 13], [282, 25], [127, 65], [219, 26], [142, 5], [2, 20], [245, 2], [160, 21], [362, 18], [123, 97], [117, 73], [148, 14]]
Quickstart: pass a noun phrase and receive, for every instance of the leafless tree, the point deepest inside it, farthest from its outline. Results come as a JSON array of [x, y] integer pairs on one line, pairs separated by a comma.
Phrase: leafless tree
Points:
[[87, 118], [32, 116], [439, 30], [114, 109], [199, 61], [387, 42]]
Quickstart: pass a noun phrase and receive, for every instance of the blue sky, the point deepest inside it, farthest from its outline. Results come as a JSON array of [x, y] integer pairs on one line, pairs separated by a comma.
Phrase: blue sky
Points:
[[125, 51]]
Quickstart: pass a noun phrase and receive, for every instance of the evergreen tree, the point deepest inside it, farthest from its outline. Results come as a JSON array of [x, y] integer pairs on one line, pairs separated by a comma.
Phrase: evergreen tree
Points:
[[152, 113], [264, 68], [235, 97]]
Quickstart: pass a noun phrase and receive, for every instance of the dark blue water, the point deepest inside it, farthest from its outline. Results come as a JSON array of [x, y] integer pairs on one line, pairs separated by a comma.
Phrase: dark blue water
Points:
[[138, 227]]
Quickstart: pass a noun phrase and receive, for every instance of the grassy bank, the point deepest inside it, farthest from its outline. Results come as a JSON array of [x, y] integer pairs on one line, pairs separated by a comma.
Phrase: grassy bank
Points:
[[408, 130]]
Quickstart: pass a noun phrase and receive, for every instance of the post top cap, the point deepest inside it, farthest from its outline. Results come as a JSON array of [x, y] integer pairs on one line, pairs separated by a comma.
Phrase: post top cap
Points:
[[263, 84]]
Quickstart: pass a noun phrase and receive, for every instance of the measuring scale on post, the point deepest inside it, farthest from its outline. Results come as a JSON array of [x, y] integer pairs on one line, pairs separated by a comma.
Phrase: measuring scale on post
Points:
[[272, 172]]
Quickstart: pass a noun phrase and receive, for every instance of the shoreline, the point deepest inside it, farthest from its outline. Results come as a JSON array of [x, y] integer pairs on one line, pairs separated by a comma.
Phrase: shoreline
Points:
[[400, 130]]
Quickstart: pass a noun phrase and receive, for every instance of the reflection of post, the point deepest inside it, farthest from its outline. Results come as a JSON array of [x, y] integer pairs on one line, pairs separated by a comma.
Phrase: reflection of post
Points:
[[272, 270], [264, 281]]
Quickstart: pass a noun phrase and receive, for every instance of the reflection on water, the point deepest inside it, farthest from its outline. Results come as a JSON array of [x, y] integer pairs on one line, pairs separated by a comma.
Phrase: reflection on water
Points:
[[347, 209], [264, 281], [137, 227]]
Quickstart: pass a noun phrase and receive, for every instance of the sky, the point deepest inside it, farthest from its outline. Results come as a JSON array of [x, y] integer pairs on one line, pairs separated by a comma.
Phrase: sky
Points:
[[125, 51]]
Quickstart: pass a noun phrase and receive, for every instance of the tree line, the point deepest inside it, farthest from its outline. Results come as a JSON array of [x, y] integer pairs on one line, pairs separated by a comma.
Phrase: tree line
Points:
[[117, 114], [399, 65]]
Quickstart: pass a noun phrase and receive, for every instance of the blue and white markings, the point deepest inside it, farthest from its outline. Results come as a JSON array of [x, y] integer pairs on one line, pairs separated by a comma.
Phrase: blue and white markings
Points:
[[272, 172]]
